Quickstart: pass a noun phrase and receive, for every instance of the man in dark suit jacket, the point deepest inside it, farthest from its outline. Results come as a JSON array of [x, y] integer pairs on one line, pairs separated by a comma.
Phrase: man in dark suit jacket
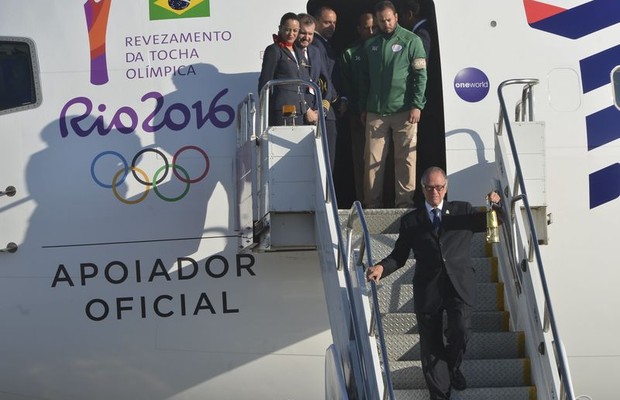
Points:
[[326, 20], [314, 68], [439, 234]]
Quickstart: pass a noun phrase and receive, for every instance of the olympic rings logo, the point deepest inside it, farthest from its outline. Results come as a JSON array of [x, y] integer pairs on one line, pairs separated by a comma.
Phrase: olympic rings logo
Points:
[[142, 177]]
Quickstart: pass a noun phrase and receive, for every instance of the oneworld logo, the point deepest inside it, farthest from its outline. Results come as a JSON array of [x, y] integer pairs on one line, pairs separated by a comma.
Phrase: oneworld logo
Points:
[[471, 84]]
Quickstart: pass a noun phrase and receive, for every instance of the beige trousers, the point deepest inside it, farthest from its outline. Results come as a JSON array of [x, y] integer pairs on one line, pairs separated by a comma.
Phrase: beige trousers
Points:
[[379, 130]]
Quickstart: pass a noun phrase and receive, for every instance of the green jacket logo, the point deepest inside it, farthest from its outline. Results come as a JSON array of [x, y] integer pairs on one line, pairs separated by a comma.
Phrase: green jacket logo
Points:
[[172, 9]]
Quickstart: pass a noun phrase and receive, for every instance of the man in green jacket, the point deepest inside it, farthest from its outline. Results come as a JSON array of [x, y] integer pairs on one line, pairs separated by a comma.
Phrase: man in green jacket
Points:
[[391, 99]]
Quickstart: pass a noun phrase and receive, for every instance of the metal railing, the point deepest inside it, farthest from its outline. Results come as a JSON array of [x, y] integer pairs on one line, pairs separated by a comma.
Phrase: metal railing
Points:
[[246, 120], [566, 390], [376, 325], [263, 101]]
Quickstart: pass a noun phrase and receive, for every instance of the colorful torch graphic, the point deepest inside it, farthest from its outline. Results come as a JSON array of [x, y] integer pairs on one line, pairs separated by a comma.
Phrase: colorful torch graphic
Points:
[[97, 12]]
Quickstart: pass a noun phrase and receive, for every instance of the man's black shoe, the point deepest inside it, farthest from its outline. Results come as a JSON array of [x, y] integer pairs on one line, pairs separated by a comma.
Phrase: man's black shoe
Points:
[[457, 380], [445, 396]]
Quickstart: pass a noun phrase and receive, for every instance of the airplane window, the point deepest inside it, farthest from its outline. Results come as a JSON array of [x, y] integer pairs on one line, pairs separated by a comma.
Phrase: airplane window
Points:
[[18, 81], [615, 80]]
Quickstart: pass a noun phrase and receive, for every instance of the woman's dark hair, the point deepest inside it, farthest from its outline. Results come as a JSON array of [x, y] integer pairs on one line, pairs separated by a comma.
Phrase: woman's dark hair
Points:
[[287, 16]]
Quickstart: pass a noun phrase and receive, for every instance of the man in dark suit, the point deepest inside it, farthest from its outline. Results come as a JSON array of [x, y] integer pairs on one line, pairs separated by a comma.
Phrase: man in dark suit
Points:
[[313, 67], [439, 234], [325, 27], [326, 19]]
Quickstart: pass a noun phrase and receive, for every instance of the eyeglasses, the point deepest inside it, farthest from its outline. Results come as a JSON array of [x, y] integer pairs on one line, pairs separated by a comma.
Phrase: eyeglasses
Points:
[[438, 188]]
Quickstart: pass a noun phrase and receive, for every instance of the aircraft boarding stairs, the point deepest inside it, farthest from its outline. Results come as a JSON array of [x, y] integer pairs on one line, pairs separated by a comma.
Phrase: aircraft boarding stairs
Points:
[[496, 364], [515, 352]]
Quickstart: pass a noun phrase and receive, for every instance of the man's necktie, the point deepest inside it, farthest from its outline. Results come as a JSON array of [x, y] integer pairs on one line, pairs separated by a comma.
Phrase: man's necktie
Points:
[[306, 64], [436, 219]]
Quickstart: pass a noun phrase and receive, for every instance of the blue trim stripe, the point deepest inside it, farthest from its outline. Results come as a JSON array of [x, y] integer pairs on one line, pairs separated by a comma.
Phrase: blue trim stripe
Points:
[[596, 69], [582, 20], [603, 127], [605, 185]]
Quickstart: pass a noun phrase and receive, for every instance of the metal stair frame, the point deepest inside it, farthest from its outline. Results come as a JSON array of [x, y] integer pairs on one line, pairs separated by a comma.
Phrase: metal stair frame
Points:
[[521, 262], [491, 323], [351, 362]]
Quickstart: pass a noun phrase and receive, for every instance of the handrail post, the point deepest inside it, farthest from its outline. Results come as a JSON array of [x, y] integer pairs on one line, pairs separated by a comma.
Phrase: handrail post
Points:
[[246, 120]]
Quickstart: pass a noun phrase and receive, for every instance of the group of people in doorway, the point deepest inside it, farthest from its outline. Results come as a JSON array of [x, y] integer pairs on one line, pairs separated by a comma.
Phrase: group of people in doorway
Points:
[[378, 86], [375, 88]]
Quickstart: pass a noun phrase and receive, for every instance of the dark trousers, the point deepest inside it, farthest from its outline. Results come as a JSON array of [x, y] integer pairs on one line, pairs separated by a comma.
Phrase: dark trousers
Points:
[[439, 358], [358, 141]]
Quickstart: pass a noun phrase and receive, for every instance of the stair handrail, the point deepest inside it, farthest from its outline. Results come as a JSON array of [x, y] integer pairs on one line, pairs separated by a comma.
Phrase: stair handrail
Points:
[[246, 120], [356, 213], [567, 391], [263, 101]]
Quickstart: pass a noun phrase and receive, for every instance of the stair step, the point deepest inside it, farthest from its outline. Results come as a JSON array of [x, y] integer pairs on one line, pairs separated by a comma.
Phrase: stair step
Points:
[[482, 345], [486, 271], [500, 393], [482, 321], [399, 298], [387, 221], [496, 373], [382, 245], [377, 220]]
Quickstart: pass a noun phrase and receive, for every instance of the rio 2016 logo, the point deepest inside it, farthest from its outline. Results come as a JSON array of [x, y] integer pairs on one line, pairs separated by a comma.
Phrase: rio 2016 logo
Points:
[[141, 176]]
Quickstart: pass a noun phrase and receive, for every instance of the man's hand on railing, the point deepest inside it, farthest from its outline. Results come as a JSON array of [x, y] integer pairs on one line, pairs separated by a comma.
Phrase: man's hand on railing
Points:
[[494, 198], [312, 116], [374, 273]]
